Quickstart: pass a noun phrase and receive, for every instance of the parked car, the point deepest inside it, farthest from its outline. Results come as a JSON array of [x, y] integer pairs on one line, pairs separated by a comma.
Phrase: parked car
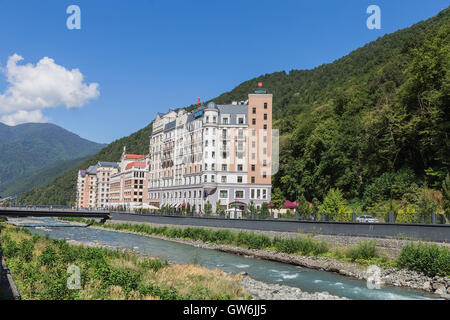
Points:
[[367, 219]]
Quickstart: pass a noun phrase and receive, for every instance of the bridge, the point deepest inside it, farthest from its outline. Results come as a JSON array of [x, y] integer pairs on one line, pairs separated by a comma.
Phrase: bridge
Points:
[[53, 211]]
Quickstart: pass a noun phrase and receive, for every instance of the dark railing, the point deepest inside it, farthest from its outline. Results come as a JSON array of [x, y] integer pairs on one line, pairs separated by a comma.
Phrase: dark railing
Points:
[[432, 218]]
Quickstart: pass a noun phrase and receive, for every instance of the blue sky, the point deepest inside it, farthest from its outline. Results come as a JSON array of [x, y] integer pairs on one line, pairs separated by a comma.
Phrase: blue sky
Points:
[[151, 55]]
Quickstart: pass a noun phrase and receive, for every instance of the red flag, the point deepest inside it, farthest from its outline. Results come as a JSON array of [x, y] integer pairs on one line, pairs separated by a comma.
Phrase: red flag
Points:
[[198, 100]]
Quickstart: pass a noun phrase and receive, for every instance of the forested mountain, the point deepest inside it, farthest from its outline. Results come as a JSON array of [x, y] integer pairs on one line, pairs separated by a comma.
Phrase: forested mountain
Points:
[[29, 147], [376, 117], [41, 177]]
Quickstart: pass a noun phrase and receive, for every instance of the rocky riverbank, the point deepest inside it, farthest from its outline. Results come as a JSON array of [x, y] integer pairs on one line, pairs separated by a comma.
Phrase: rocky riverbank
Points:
[[268, 291]]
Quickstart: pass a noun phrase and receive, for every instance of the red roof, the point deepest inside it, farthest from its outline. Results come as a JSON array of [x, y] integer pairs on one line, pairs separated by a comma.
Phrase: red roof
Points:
[[135, 164], [289, 204], [134, 156]]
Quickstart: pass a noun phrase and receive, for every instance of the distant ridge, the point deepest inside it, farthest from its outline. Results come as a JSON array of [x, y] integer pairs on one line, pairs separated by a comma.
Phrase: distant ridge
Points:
[[29, 147]]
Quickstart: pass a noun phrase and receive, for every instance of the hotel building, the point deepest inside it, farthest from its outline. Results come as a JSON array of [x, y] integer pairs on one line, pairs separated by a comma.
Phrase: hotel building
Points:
[[219, 154], [128, 186], [93, 185]]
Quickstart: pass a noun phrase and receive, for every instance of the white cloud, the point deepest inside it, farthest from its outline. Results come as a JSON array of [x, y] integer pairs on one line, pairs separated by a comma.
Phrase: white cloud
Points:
[[23, 116], [33, 88]]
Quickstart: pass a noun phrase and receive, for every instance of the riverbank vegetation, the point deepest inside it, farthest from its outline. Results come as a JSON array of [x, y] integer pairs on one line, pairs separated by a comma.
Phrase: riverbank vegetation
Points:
[[39, 267], [430, 259]]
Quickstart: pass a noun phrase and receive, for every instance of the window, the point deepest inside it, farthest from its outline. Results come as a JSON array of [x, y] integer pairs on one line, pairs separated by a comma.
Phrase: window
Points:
[[264, 195], [253, 167], [265, 105], [239, 167], [212, 178], [239, 194], [254, 111], [253, 144], [264, 175], [265, 127], [252, 193], [240, 120], [224, 167], [223, 194], [239, 179], [253, 179], [253, 121], [225, 120], [224, 179], [265, 116]]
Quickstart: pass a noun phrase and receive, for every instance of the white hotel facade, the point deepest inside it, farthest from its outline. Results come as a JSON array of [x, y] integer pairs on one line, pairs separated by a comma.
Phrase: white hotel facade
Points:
[[221, 154]]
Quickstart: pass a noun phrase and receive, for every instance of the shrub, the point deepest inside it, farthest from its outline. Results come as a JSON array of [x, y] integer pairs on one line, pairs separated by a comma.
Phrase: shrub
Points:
[[305, 246], [365, 250], [344, 215], [126, 278], [48, 257], [332, 202], [10, 249], [26, 250], [406, 216], [154, 264], [432, 260]]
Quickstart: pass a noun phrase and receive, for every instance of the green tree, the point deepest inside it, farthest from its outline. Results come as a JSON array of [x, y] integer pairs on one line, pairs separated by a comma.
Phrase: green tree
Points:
[[332, 202], [446, 195]]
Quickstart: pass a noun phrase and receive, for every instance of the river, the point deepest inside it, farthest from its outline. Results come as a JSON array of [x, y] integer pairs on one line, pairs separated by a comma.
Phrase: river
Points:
[[308, 280]]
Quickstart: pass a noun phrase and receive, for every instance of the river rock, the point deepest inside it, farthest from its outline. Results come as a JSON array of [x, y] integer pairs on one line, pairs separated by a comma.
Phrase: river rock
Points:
[[427, 286]]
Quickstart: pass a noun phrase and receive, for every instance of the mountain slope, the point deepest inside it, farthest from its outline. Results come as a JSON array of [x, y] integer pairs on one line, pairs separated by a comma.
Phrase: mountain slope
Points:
[[28, 147], [377, 115], [41, 177]]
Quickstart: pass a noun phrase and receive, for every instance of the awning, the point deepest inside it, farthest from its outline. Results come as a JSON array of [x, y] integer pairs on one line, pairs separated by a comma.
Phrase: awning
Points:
[[147, 206]]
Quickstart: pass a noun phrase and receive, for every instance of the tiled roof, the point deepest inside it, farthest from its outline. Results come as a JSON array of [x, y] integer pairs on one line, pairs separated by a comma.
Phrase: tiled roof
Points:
[[134, 156], [135, 164], [233, 111]]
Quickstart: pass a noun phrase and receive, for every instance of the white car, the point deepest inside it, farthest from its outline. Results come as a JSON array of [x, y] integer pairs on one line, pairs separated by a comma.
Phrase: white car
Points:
[[367, 219]]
